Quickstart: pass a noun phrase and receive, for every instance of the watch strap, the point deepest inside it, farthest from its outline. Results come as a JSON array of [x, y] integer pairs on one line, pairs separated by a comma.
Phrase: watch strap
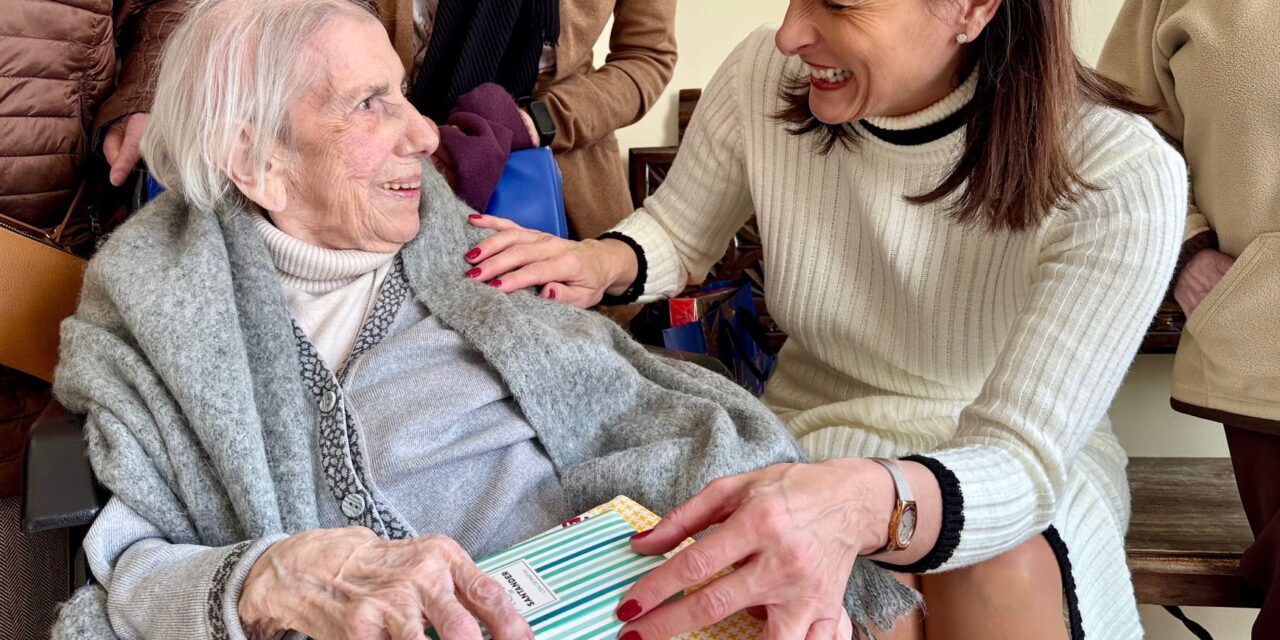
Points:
[[900, 483]]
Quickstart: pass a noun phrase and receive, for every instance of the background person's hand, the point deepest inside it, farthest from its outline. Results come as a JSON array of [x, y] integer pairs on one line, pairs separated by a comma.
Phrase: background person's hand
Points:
[[793, 532], [531, 128], [577, 273], [120, 145], [348, 583], [1199, 276]]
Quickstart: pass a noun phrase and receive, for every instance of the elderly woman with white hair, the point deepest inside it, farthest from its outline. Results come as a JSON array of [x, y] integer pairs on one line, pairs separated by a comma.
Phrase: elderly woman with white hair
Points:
[[310, 418]]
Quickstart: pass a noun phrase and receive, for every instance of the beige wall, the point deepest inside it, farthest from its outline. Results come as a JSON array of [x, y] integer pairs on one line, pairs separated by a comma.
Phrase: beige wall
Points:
[[708, 30]]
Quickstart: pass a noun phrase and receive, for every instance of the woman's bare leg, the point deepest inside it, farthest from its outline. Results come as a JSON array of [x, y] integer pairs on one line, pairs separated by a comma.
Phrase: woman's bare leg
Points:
[[1015, 595]]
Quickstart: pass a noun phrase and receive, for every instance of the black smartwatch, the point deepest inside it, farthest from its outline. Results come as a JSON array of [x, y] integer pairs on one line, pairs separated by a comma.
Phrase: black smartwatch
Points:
[[542, 121]]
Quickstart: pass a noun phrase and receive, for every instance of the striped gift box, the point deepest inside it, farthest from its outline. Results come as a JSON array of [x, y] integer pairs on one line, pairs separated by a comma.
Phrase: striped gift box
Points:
[[567, 582]]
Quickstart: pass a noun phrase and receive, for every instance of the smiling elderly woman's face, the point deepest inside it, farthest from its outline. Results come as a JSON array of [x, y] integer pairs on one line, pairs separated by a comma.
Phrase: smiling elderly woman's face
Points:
[[349, 177]]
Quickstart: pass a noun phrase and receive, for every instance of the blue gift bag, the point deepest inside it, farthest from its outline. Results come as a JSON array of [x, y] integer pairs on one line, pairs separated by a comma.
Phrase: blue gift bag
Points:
[[530, 192]]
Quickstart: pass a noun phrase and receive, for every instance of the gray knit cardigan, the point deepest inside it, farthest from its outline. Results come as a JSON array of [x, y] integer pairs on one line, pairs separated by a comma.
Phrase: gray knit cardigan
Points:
[[182, 357]]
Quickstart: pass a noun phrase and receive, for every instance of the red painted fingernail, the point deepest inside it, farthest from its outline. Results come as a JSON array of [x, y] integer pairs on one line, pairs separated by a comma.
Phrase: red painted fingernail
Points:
[[473, 273], [495, 283], [630, 635], [473, 254], [475, 216], [551, 294], [642, 534], [628, 612]]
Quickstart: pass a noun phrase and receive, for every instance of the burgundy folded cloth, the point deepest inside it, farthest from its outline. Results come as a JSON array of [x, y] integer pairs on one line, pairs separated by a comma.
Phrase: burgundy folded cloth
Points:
[[482, 130]]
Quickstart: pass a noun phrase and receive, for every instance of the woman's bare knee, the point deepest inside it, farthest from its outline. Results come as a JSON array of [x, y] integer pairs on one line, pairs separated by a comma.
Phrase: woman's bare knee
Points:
[[1031, 564], [1017, 594]]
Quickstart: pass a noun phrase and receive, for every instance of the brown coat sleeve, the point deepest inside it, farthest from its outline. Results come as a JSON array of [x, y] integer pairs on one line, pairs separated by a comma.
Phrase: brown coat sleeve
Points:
[[642, 55], [141, 27], [1137, 55]]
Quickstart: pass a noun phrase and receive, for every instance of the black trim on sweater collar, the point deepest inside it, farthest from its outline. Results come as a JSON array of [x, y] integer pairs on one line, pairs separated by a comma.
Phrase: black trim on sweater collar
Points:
[[919, 135]]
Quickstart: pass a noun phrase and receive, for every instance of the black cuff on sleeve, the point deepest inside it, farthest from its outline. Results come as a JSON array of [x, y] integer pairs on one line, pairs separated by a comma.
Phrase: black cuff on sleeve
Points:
[[952, 520], [642, 272]]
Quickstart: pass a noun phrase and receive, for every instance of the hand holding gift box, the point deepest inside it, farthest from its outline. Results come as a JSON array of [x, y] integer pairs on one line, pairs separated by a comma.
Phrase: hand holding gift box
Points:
[[568, 582]]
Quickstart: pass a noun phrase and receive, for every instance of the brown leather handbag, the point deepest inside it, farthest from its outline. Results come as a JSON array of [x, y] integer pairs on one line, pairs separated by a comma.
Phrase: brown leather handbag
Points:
[[40, 281]]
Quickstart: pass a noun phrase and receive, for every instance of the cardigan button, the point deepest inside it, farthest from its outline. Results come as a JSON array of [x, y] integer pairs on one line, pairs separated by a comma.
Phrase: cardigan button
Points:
[[353, 505], [328, 400]]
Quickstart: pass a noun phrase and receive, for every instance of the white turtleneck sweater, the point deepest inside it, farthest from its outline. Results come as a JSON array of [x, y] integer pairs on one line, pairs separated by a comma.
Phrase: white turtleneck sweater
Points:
[[329, 292], [995, 353]]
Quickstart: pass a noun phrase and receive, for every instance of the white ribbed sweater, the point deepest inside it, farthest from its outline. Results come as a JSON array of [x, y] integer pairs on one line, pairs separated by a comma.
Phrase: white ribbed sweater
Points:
[[996, 353]]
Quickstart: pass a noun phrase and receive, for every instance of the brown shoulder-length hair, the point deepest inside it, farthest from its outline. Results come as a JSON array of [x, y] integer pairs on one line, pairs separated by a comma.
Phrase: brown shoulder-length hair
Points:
[[1016, 165]]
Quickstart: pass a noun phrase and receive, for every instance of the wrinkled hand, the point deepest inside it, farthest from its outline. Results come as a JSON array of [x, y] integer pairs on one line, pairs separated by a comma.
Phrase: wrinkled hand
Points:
[[793, 532], [348, 583], [1199, 276], [121, 145], [577, 273]]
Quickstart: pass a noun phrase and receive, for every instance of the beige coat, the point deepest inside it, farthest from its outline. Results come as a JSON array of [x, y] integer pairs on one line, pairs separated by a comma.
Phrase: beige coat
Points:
[[1212, 67], [589, 103]]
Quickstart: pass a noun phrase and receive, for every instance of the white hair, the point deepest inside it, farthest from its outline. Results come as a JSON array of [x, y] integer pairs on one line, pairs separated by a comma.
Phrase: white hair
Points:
[[228, 76]]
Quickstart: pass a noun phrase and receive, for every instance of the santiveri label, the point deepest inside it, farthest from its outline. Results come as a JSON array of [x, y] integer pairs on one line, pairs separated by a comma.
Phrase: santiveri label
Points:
[[567, 582], [526, 589]]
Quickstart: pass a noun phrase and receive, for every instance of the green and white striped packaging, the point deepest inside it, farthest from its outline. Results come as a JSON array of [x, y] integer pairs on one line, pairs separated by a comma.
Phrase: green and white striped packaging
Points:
[[567, 582]]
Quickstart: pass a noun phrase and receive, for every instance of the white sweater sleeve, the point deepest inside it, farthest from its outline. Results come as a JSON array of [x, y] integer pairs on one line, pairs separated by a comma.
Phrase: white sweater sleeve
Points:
[[685, 227], [1103, 269]]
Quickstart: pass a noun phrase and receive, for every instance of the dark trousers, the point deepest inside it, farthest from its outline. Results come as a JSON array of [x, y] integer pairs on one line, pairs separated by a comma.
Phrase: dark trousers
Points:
[[1255, 455]]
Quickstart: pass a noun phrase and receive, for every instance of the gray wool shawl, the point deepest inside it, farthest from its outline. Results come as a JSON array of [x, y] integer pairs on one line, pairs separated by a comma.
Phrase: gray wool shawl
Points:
[[182, 357]]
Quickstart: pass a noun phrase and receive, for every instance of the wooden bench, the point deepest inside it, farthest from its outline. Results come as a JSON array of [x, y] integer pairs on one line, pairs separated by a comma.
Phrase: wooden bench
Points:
[[1187, 533], [1188, 529]]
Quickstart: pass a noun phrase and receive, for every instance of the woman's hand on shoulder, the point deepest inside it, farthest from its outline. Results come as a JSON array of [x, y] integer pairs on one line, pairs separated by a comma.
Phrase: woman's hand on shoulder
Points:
[[348, 583], [792, 531], [577, 273]]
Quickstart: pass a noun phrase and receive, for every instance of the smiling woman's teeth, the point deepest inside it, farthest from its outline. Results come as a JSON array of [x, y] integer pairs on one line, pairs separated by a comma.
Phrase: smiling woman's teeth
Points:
[[829, 75], [400, 186]]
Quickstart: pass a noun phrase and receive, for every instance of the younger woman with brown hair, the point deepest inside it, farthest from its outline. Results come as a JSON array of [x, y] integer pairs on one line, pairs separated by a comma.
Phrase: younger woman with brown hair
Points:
[[966, 233]]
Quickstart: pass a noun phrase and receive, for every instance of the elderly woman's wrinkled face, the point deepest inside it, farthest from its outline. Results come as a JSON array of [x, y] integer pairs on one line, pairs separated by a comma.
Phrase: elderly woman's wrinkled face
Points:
[[354, 167], [873, 57]]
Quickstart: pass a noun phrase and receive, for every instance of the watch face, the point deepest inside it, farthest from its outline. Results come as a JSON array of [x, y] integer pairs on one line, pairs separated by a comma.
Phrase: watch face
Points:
[[906, 526]]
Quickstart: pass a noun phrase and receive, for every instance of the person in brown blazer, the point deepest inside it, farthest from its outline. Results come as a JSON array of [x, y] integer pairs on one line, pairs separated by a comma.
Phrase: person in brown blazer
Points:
[[1209, 67], [586, 103]]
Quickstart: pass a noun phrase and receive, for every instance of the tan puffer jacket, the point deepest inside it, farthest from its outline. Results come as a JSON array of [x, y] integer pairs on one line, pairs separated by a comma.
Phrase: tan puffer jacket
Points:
[[58, 69]]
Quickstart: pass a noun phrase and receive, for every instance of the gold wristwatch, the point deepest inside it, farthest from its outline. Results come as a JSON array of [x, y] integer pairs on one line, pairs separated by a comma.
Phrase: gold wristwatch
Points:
[[902, 524]]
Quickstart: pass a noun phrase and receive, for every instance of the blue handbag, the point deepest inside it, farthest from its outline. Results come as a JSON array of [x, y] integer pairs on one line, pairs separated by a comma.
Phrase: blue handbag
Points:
[[530, 192]]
